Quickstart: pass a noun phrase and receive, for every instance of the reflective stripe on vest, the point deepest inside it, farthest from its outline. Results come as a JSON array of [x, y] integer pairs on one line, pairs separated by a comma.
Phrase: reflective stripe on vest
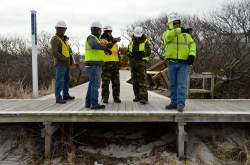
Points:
[[183, 45], [114, 55], [65, 47], [93, 54], [141, 48]]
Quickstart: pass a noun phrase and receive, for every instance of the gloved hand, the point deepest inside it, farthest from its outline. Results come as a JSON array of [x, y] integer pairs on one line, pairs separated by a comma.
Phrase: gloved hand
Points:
[[108, 51], [118, 39], [130, 54], [162, 58], [184, 30], [141, 54], [190, 60], [65, 38], [119, 64]]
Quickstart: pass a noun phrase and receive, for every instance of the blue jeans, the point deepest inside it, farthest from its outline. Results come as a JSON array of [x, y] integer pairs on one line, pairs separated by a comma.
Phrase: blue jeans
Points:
[[94, 73], [62, 81], [178, 75]]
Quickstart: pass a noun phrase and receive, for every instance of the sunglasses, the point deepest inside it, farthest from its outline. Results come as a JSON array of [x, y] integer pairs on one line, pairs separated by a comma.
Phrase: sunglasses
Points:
[[175, 23], [108, 31]]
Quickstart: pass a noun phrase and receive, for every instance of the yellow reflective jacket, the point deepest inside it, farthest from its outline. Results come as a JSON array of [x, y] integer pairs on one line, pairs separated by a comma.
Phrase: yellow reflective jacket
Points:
[[178, 46]]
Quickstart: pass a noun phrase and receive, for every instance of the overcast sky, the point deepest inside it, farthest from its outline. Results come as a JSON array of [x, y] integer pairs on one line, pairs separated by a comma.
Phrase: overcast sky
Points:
[[78, 14]]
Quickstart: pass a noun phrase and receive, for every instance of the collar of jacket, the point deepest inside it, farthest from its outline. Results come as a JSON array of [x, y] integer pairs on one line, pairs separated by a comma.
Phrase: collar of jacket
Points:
[[141, 39], [105, 36]]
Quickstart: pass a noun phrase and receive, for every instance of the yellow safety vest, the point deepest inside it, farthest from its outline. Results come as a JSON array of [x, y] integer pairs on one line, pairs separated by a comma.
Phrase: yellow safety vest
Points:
[[65, 47], [141, 48], [114, 55], [93, 54]]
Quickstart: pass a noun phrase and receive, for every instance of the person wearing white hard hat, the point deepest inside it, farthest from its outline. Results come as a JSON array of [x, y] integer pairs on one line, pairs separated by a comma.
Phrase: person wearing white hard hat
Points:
[[180, 51], [94, 57], [110, 70], [139, 50], [62, 54]]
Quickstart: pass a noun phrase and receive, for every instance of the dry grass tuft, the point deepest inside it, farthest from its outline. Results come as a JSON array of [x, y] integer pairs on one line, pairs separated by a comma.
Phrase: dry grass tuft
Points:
[[15, 90], [72, 159], [46, 90], [226, 152]]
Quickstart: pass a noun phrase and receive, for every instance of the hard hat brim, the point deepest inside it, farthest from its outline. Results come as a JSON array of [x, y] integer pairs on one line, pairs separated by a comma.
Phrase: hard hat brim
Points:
[[137, 35], [60, 26]]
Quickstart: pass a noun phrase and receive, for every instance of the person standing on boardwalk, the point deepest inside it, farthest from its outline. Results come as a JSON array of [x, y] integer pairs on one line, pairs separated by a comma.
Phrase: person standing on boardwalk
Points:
[[110, 70], [139, 51], [62, 59], [94, 56], [180, 51]]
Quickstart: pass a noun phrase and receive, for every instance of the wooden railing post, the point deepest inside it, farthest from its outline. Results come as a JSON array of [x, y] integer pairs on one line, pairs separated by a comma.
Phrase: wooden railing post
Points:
[[181, 139], [47, 133]]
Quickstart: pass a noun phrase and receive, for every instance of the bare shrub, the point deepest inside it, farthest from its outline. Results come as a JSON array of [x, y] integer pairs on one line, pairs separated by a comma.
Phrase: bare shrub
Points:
[[16, 65]]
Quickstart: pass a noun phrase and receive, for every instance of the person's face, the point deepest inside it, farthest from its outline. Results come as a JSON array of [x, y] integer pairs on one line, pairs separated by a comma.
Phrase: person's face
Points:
[[176, 24], [61, 31], [99, 31], [109, 32]]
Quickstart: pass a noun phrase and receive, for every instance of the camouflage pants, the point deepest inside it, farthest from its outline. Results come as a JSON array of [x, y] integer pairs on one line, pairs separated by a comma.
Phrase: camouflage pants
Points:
[[139, 78], [110, 72]]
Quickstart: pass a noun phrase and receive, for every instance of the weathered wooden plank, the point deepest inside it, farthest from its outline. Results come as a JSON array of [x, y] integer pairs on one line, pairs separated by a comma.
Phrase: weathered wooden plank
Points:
[[153, 72], [9, 103], [128, 111], [240, 105], [136, 108], [156, 106], [5, 102], [128, 106], [38, 105], [19, 104], [121, 107], [75, 105]]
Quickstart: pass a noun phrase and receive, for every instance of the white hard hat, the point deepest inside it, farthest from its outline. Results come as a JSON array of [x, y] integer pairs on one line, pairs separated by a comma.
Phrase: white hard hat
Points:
[[96, 24], [61, 23], [173, 18], [138, 31], [107, 27]]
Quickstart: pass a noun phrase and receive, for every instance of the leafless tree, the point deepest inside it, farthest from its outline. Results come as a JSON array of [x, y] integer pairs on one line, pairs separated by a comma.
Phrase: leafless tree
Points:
[[223, 43], [231, 41]]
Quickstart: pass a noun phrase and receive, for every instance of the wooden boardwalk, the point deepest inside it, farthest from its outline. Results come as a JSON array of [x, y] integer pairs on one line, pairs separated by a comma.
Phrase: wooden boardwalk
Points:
[[47, 111], [128, 111]]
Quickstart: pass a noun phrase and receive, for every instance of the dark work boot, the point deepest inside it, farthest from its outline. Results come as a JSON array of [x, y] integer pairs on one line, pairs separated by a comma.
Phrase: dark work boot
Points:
[[87, 106], [171, 106], [69, 98], [98, 106], [61, 101], [143, 101], [180, 108], [136, 100], [117, 100], [105, 101]]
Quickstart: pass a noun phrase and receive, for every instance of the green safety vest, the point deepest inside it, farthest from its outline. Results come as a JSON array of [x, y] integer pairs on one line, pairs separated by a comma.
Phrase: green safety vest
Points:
[[141, 48], [93, 54], [114, 55]]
